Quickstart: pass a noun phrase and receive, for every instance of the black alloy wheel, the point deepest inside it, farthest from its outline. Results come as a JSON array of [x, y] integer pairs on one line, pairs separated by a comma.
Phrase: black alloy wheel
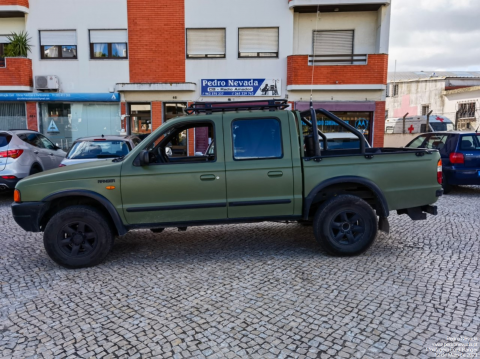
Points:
[[77, 239], [347, 227]]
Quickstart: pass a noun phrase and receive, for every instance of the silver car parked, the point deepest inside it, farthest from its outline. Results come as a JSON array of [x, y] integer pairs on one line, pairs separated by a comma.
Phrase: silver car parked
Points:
[[96, 148], [23, 153]]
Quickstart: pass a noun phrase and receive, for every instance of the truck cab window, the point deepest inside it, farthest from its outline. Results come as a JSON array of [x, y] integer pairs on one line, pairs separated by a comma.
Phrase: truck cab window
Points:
[[173, 146], [256, 139]]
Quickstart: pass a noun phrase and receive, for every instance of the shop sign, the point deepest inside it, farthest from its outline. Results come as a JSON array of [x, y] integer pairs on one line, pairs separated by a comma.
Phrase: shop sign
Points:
[[241, 87], [65, 97]]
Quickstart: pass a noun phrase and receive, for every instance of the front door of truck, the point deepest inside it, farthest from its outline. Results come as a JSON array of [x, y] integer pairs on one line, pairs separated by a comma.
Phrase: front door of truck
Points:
[[258, 165], [176, 188]]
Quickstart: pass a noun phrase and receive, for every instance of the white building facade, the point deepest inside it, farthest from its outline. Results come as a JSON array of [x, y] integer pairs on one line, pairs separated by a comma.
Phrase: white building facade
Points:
[[129, 65], [455, 95]]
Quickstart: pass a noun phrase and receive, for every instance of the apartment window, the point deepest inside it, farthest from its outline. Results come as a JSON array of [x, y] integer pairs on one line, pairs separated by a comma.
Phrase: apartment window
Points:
[[55, 44], [3, 41], [333, 47], [108, 44], [425, 110], [395, 90], [258, 42], [205, 43], [467, 110]]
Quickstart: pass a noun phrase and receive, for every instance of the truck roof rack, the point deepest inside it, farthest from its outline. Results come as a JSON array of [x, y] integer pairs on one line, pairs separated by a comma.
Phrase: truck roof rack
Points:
[[210, 107]]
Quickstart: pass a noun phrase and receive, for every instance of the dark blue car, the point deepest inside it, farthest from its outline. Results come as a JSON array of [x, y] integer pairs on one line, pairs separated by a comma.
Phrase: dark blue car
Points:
[[460, 153]]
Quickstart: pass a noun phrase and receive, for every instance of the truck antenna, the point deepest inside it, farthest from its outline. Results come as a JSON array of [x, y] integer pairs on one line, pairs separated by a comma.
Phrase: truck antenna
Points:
[[313, 62]]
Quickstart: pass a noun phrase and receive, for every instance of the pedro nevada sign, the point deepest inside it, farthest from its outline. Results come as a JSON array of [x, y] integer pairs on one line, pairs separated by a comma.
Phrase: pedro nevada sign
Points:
[[241, 87]]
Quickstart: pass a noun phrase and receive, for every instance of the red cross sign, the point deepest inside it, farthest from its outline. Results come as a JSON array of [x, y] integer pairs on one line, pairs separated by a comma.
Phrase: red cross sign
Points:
[[411, 128]]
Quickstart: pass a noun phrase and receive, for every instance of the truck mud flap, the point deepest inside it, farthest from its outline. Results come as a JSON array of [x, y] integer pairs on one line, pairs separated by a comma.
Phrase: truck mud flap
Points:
[[419, 213], [383, 225]]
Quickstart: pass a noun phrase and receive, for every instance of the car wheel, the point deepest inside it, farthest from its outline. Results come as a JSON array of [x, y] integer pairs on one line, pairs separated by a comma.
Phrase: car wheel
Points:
[[345, 225], [157, 230], [447, 188], [77, 237], [35, 169]]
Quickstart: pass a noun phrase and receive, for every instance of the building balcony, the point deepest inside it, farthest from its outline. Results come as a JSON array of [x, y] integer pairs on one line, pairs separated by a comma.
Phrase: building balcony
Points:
[[306, 6], [337, 72], [13, 8], [16, 74]]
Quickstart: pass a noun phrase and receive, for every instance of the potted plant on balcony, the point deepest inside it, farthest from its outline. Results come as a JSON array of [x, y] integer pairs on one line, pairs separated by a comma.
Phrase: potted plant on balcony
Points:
[[19, 45]]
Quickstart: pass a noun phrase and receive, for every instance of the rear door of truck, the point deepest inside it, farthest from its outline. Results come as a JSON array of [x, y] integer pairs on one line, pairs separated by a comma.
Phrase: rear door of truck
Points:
[[258, 162]]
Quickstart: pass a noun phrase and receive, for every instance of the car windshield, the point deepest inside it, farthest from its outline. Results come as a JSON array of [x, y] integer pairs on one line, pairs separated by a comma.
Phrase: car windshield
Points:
[[441, 126], [98, 149]]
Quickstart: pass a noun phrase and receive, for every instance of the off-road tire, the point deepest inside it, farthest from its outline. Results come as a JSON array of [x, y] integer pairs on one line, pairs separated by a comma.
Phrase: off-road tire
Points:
[[78, 237], [345, 225]]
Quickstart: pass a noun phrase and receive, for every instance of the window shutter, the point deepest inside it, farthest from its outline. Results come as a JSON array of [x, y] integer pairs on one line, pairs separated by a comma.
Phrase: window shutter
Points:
[[58, 38], [205, 42], [3, 39], [333, 42], [108, 36], [258, 40]]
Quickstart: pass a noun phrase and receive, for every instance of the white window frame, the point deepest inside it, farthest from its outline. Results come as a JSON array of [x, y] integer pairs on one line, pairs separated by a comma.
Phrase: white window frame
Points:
[[258, 54], [206, 56]]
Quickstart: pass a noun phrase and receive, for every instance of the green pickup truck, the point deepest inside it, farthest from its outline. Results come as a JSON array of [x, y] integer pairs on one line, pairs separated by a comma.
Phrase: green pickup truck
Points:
[[262, 163]]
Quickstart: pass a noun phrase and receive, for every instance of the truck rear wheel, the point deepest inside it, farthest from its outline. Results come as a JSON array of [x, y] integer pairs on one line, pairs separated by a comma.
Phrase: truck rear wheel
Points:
[[77, 237], [345, 225]]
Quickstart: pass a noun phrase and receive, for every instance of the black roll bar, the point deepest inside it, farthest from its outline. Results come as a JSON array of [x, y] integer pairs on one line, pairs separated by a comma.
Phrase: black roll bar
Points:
[[331, 116]]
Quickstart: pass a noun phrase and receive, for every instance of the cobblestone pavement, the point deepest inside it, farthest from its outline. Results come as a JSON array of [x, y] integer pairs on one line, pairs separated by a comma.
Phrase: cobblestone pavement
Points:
[[248, 291]]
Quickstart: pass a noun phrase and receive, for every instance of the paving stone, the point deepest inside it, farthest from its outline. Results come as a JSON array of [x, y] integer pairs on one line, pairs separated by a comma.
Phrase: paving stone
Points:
[[247, 291]]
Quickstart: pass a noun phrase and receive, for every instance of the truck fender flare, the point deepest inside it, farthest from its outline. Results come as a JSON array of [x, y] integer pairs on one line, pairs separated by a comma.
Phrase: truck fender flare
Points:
[[383, 211], [117, 221]]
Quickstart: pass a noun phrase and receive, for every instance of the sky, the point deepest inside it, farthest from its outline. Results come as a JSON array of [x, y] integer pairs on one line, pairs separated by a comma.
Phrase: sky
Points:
[[435, 35]]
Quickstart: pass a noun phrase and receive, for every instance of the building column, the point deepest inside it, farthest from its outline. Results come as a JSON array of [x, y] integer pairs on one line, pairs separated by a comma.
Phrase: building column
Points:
[[379, 124], [123, 111], [32, 116], [156, 115]]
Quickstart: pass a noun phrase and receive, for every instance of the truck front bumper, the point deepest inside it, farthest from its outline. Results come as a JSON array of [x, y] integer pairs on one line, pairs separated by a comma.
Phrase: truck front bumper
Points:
[[28, 214]]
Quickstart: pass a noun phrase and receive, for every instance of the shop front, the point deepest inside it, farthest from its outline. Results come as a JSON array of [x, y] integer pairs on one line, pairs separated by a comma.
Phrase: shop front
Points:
[[357, 114]]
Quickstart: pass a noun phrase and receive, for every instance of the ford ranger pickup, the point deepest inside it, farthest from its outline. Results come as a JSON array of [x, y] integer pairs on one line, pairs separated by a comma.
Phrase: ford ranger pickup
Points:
[[251, 161]]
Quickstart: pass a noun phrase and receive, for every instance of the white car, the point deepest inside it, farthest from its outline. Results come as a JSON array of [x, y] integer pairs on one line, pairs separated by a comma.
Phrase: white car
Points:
[[88, 149], [24, 153]]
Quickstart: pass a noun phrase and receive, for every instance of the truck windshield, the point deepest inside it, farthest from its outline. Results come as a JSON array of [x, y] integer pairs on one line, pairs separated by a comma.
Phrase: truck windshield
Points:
[[98, 149]]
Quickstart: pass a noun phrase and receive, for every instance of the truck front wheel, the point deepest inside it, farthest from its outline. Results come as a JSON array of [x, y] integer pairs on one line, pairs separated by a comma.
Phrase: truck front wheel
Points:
[[77, 237], [345, 225]]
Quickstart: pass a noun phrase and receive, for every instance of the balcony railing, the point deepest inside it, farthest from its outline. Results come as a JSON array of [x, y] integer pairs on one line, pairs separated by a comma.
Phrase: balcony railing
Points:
[[343, 59], [368, 69]]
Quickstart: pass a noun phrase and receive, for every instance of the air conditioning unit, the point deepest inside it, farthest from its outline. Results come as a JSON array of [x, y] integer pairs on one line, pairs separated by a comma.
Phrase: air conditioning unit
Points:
[[49, 82]]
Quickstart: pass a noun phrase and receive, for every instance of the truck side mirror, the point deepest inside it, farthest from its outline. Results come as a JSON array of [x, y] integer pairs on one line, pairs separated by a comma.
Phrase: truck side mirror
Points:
[[143, 159]]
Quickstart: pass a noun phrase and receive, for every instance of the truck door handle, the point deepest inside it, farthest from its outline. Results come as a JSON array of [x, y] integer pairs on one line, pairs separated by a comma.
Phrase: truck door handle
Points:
[[36, 152], [51, 154], [207, 177], [275, 174]]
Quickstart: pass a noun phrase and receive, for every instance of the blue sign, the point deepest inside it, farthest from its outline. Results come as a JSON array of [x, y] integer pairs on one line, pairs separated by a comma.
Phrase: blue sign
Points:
[[241, 87], [65, 97]]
